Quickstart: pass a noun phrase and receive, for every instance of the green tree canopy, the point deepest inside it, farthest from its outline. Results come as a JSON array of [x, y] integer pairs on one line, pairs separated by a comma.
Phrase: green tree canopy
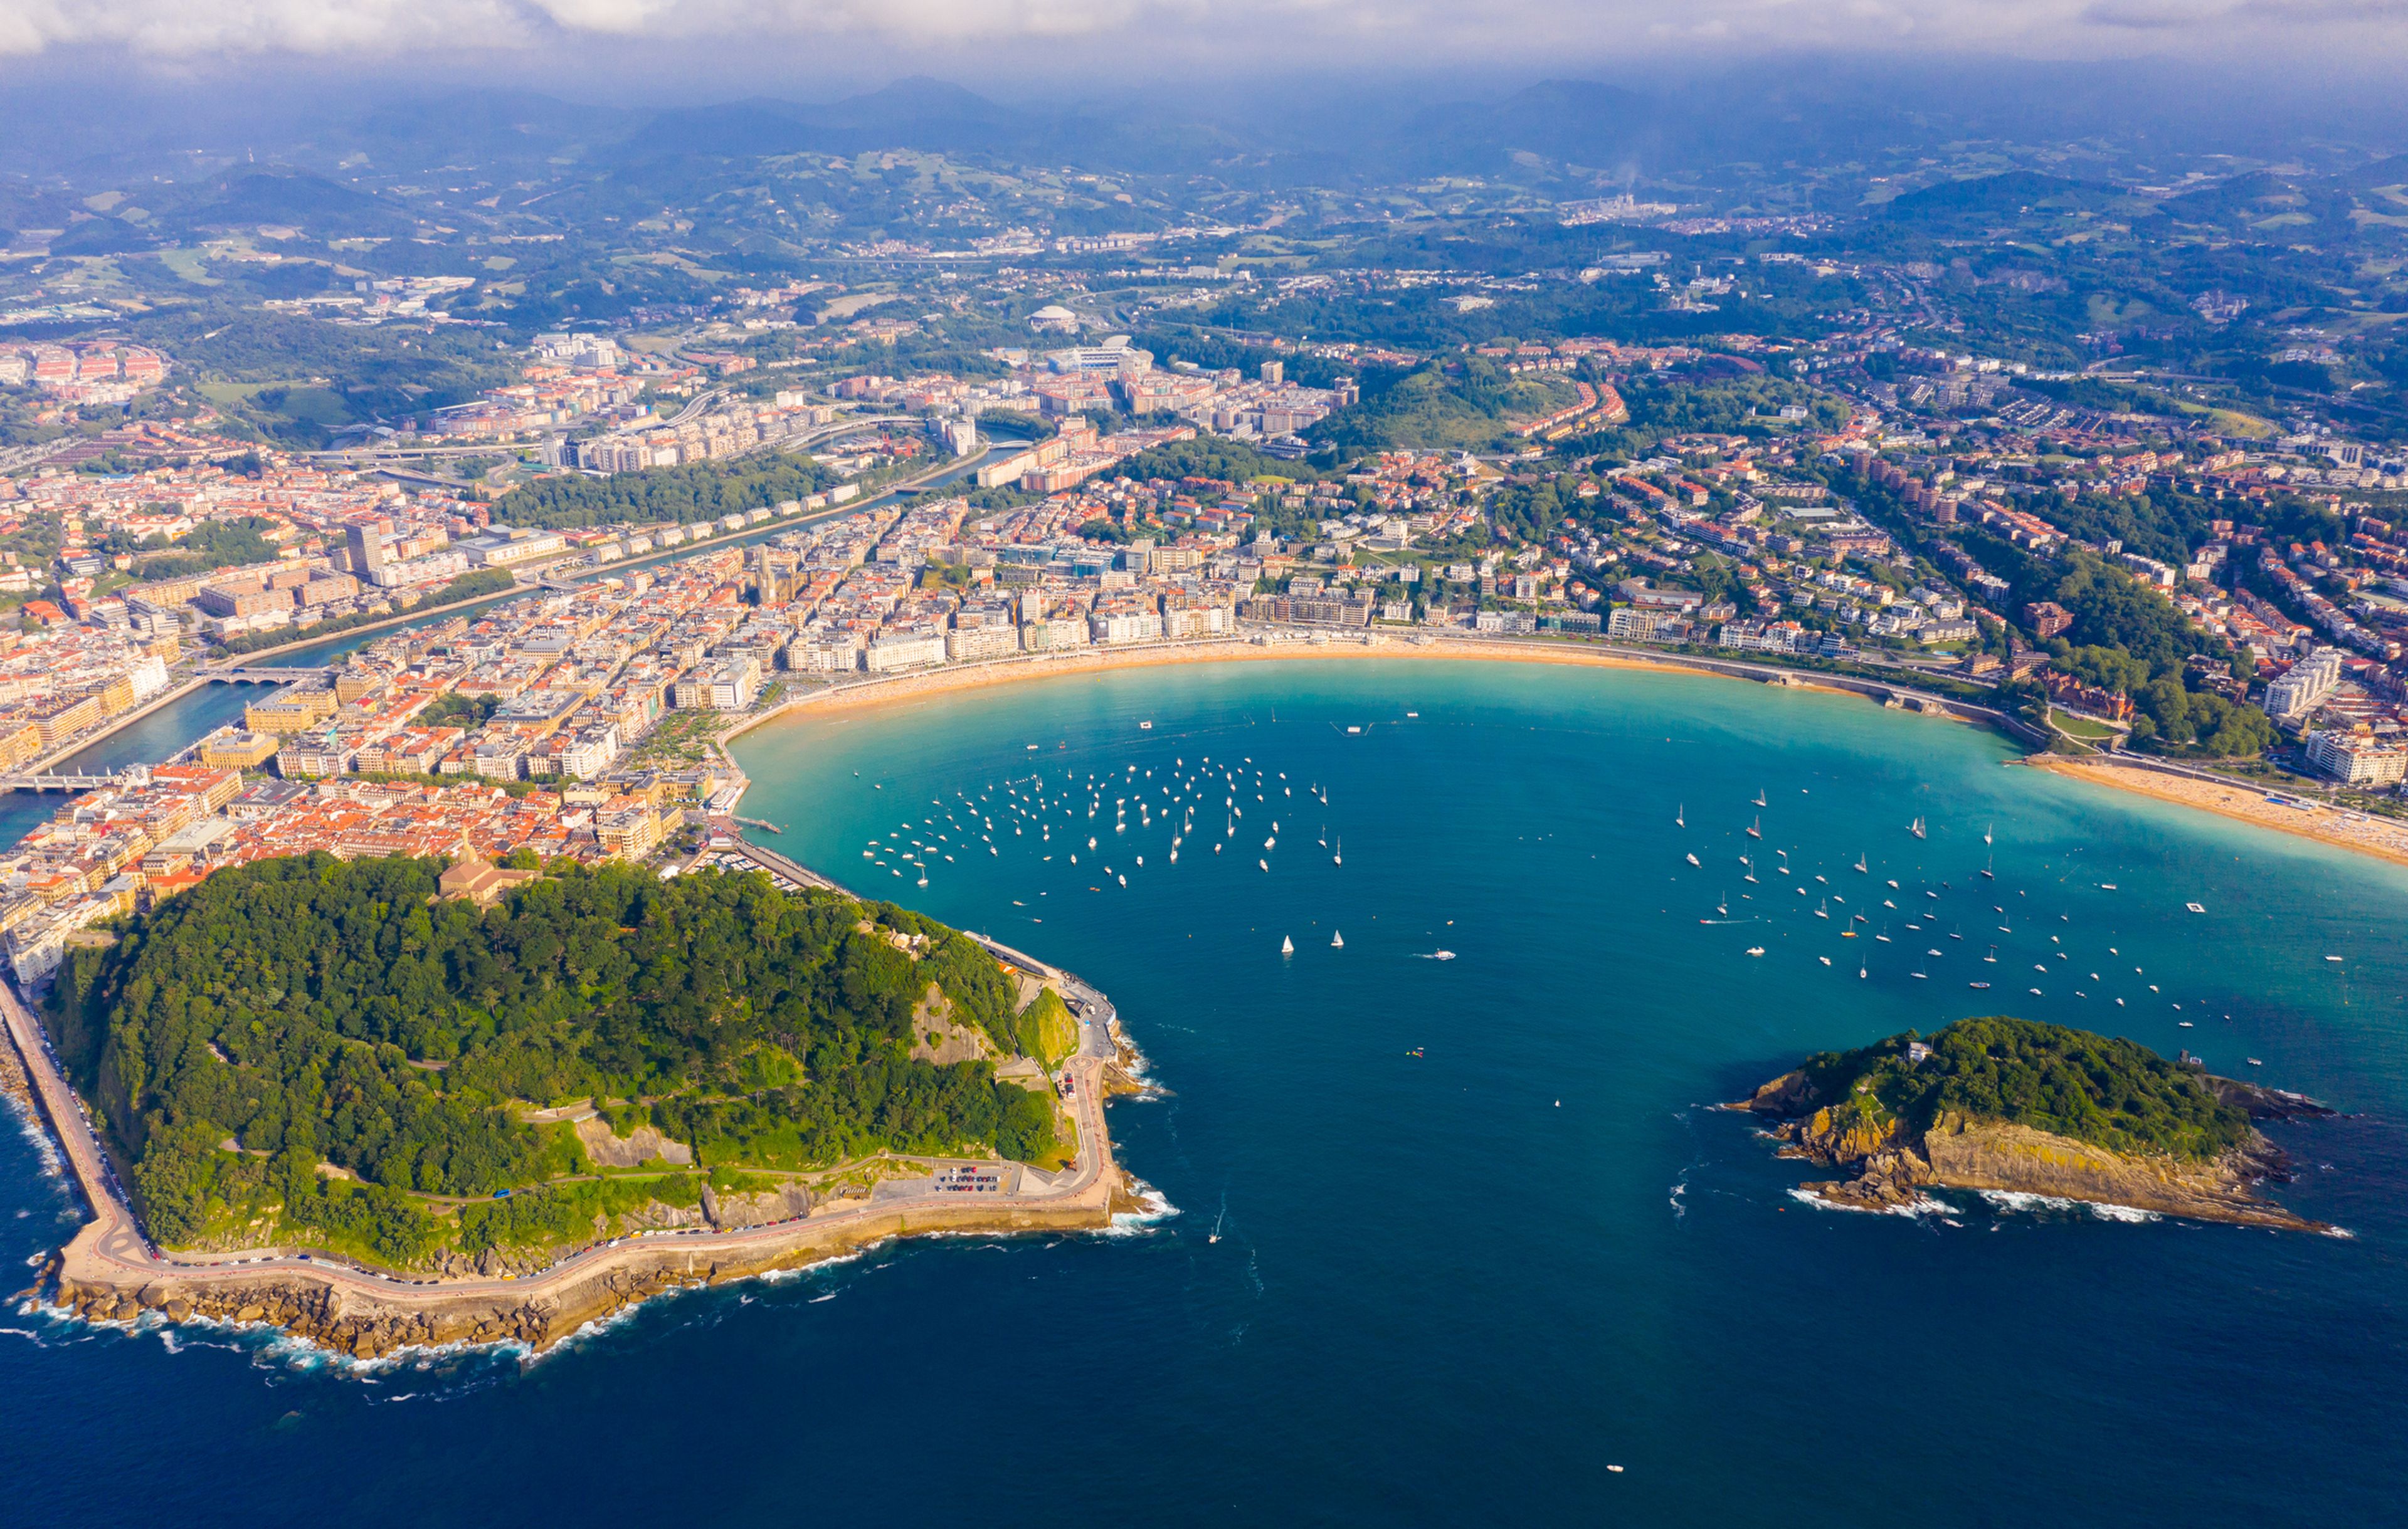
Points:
[[313, 1009]]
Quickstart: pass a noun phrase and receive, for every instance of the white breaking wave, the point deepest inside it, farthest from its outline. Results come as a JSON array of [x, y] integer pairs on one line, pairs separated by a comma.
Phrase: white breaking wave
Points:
[[1133, 1223], [1922, 1204], [2016, 1200], [29, 1125], [2124, 1213], [305, 1354]]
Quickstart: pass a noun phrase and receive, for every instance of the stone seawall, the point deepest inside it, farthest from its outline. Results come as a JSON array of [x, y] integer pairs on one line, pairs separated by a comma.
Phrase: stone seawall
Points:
[[350, 1315]]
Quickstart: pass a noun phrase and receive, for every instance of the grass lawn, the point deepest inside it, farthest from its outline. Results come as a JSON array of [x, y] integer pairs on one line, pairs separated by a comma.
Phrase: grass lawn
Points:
[[2081, 727]]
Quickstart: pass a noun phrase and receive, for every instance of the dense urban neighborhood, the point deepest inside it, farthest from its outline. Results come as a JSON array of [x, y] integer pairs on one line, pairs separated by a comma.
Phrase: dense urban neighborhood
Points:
[[583, 539], [718, 721]]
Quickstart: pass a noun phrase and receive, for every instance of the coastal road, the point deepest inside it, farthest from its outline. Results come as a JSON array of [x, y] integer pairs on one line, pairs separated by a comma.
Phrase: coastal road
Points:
[[113, 1234], [111, 1249]]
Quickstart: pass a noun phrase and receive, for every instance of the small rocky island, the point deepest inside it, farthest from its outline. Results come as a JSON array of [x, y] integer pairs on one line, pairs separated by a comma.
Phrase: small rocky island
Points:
[[2011, 1105]]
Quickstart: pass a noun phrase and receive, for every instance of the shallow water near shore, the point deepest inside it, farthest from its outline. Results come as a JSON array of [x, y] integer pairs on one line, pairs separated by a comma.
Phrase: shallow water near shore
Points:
[[1456, 1285]]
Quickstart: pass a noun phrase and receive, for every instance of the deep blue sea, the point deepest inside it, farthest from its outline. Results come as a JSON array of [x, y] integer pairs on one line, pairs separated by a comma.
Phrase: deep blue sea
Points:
[[1483, 1235]]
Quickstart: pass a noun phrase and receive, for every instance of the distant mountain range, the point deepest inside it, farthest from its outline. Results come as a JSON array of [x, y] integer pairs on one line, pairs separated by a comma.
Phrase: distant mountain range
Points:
[[1818, 112]]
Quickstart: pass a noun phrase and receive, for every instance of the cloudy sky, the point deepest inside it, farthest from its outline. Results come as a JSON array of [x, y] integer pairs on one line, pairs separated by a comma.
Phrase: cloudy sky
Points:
[[820, 38]]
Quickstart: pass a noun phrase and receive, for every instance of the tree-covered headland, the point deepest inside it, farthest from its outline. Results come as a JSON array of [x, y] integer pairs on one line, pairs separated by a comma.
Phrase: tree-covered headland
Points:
[[321, 1051], [2106, 1091]]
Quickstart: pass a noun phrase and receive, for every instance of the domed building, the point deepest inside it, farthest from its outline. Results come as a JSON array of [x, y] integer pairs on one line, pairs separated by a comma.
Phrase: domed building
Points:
[[1054, 320]]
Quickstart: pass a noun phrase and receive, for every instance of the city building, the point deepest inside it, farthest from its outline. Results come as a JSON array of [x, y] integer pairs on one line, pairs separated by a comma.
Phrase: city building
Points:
[[2357, 759]]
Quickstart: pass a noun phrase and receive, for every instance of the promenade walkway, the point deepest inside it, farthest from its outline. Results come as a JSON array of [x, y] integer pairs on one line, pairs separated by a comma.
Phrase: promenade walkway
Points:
[[112, 1250]]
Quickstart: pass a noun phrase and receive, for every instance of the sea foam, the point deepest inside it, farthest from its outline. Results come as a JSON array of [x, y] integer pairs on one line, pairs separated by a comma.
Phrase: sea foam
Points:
[[1133, 1223], [2017, 1200], [1922, 1204]]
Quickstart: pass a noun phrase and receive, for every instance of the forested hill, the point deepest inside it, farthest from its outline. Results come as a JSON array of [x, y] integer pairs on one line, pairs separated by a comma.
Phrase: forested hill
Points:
[[305, 1011], [699, 492], [2107, 1090]]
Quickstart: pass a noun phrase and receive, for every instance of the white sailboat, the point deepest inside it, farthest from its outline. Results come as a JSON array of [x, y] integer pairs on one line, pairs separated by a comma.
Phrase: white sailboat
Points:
[[1338, 857], [1336, 940], [1287, 945], [1679, 820]]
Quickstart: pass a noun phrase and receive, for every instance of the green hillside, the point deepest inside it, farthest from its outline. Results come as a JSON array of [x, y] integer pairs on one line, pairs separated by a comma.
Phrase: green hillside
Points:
[[2109, 1092], [1471, 404], [1046, 1030], [305, 1011]]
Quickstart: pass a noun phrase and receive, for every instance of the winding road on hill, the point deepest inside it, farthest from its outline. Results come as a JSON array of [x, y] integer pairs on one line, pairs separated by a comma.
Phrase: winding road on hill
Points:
[[111, 1249]]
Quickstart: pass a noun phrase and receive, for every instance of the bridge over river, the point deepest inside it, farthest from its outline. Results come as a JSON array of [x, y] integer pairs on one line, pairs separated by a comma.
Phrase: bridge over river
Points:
[[76, 780], [268, 673]]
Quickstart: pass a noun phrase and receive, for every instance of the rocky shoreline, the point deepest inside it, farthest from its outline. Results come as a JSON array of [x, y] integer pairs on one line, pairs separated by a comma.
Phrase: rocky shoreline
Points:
[[14, 1085], [361, 1321], [1889, 1169], [107, 1274]]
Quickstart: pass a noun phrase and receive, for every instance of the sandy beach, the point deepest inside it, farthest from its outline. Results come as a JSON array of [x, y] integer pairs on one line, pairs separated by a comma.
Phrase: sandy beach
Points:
[[929, 683], [2337, 826]]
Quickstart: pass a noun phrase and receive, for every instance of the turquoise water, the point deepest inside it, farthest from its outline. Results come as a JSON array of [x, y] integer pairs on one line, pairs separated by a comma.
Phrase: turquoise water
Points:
[[1455, 1286]]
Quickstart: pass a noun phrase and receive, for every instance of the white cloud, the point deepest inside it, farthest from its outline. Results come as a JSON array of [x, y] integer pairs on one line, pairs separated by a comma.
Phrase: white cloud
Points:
[[1422, 31]]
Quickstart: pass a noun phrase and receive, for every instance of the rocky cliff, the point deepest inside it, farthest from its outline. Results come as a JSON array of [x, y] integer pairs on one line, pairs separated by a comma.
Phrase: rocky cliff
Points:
[[786, 1202], [1889, 1162]]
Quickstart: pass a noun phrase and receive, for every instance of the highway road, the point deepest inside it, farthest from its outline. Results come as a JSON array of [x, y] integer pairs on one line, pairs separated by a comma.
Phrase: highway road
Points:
[[16, 457], [373, 455]]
